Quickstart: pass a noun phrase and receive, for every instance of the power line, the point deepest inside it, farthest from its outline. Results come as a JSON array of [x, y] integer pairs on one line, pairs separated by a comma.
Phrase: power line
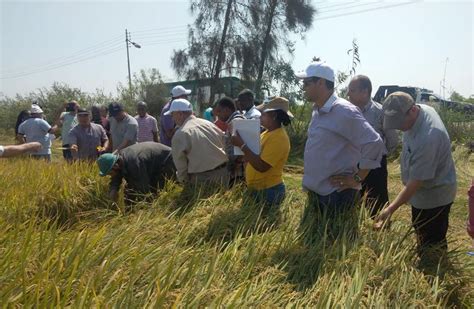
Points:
[[334, 5], [80, 53], [349, 7], [366, 10]]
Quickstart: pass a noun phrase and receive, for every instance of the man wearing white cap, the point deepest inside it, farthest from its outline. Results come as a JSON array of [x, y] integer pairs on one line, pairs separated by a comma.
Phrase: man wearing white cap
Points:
[[427, 169], [341, 147], [36, 129], [197, 147], [167, 125]]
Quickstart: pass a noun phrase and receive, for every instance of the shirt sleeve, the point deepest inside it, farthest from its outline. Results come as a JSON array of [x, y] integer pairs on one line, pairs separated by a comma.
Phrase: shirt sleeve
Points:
[[421, 160], [21, 128], [131, 133], [167, 122], [72, 136], [360, 133], [2, 149], [155, 125], [44, 126], [179, 148]]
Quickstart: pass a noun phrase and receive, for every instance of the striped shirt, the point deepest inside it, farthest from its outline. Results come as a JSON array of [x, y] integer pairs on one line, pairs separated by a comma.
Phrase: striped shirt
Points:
[[146, 127]]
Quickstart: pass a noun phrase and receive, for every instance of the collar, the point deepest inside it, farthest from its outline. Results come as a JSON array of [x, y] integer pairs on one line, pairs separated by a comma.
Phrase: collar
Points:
[[250, 110], [187, 119], [231, 117], [326, 108]]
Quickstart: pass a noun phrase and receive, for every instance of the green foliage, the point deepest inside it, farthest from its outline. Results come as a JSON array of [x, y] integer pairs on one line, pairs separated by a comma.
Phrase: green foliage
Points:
[[460, 126], [456, 97]]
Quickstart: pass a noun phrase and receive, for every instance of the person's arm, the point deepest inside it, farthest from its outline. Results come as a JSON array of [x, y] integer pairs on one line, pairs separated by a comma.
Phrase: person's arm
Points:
[[156, 139], [73, 143], [252, 158], [403, 197], [355, 128], [179, 148], [130, 136], [114, 186], [15, 150]]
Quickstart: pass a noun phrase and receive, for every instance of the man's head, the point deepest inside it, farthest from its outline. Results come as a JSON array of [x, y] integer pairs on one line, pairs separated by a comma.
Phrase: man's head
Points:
[[104, 111], [360, 90], [318, 81], [180, 110], [142, 109], [108, 164], [117, 111], [224, 108], [179, 92], [245, 100], [83, 117], [72, 106], [400, 111], [36, 111]]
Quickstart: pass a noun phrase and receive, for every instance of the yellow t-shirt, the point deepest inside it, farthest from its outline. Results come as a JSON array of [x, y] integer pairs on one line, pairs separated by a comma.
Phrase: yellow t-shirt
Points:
[[275, 147]]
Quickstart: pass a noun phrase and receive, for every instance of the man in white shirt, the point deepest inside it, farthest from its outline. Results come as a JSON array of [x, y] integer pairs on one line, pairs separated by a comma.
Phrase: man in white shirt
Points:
[[246, 104]]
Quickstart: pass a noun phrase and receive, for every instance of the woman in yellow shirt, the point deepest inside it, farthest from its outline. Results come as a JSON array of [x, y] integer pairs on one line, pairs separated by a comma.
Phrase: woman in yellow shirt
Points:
[[263, 172]]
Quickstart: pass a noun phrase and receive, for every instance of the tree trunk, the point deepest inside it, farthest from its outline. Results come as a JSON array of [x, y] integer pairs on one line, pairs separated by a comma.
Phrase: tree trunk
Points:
[[220, 53], [263, 55]]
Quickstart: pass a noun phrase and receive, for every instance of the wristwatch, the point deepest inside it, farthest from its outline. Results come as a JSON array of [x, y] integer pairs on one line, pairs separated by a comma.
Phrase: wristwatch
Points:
[[357, 178]]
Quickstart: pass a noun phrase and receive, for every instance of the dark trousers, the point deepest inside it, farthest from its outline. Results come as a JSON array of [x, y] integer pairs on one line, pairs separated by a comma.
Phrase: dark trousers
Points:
[[67, 154], [374, 187], [431, 226], [334, 203]]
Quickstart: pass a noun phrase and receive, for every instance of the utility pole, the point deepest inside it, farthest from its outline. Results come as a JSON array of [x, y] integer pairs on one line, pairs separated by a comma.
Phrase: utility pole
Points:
[[127, 44], [127, 39]]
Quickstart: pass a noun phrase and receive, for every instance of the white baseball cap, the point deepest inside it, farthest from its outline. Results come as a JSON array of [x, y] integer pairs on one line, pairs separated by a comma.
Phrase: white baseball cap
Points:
[[179, 91], [180, 105], [35, 109], [317, 69]]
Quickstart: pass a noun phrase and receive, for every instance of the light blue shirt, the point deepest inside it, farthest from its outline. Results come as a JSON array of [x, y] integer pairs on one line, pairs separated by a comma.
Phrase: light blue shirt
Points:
[[339, 139], [36, 130], [426, 156]]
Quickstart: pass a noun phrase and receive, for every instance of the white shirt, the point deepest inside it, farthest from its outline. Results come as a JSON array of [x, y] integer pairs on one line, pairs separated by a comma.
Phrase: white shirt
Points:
[[252, 113], [2, 149]]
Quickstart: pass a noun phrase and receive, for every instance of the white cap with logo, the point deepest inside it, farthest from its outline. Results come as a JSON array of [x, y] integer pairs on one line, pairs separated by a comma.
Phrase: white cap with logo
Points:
[[180, 105], [317, 69], [179, 91]]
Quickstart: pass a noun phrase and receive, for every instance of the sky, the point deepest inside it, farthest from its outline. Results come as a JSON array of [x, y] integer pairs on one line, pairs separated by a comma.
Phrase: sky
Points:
[[82, 43]]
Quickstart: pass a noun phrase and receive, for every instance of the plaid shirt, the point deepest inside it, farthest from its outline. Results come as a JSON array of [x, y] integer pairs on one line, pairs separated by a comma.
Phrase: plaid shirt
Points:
[[146, 127]]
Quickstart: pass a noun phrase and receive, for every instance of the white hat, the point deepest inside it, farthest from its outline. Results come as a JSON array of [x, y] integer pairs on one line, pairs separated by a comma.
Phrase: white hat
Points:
[[35, 109], [179, 91], [180, 105], [317, 69]]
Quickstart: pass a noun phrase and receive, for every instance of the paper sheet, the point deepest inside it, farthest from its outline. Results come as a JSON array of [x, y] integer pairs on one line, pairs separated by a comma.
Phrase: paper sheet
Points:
[[249, 130]]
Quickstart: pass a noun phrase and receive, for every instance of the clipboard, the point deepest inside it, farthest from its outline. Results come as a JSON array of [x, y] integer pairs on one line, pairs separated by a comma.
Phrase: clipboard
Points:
[[249, 130]]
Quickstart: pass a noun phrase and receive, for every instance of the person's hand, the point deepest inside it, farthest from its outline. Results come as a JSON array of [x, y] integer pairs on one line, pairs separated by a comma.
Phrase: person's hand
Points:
[[343, 182], [236, 140], [383, 218], [74, 148]]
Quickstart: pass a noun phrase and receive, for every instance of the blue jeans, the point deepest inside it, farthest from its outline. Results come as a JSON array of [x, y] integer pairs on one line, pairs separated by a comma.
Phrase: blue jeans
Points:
[[272, 196]]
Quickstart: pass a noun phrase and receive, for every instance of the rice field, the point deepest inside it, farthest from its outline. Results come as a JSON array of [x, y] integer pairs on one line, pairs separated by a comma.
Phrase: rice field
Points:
[[62, 244]]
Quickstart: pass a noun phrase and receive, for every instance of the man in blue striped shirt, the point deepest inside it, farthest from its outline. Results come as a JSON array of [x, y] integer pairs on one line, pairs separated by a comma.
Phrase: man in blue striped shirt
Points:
[[342, 147]]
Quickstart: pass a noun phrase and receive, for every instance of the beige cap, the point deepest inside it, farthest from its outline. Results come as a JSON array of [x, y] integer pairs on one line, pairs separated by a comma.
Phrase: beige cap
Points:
[[276, 103], [395, 108]]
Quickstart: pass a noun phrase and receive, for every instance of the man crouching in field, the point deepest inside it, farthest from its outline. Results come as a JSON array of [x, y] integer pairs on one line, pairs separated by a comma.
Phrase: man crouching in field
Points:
[[145, 168], [427, 170]]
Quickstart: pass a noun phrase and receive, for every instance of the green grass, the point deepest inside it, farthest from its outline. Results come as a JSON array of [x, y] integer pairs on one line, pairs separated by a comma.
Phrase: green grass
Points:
[[62, 244]]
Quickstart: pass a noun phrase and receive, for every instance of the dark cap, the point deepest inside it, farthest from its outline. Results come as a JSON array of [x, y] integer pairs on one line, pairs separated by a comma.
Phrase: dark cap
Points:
[[115, 108], [82, 112], [246, 93]]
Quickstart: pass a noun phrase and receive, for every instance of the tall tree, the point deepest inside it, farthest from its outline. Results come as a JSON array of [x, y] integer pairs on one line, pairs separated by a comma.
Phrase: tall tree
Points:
[[279, 18]]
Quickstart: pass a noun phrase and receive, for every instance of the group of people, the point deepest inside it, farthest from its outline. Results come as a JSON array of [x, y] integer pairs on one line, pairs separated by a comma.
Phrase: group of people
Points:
[[345, 156]]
